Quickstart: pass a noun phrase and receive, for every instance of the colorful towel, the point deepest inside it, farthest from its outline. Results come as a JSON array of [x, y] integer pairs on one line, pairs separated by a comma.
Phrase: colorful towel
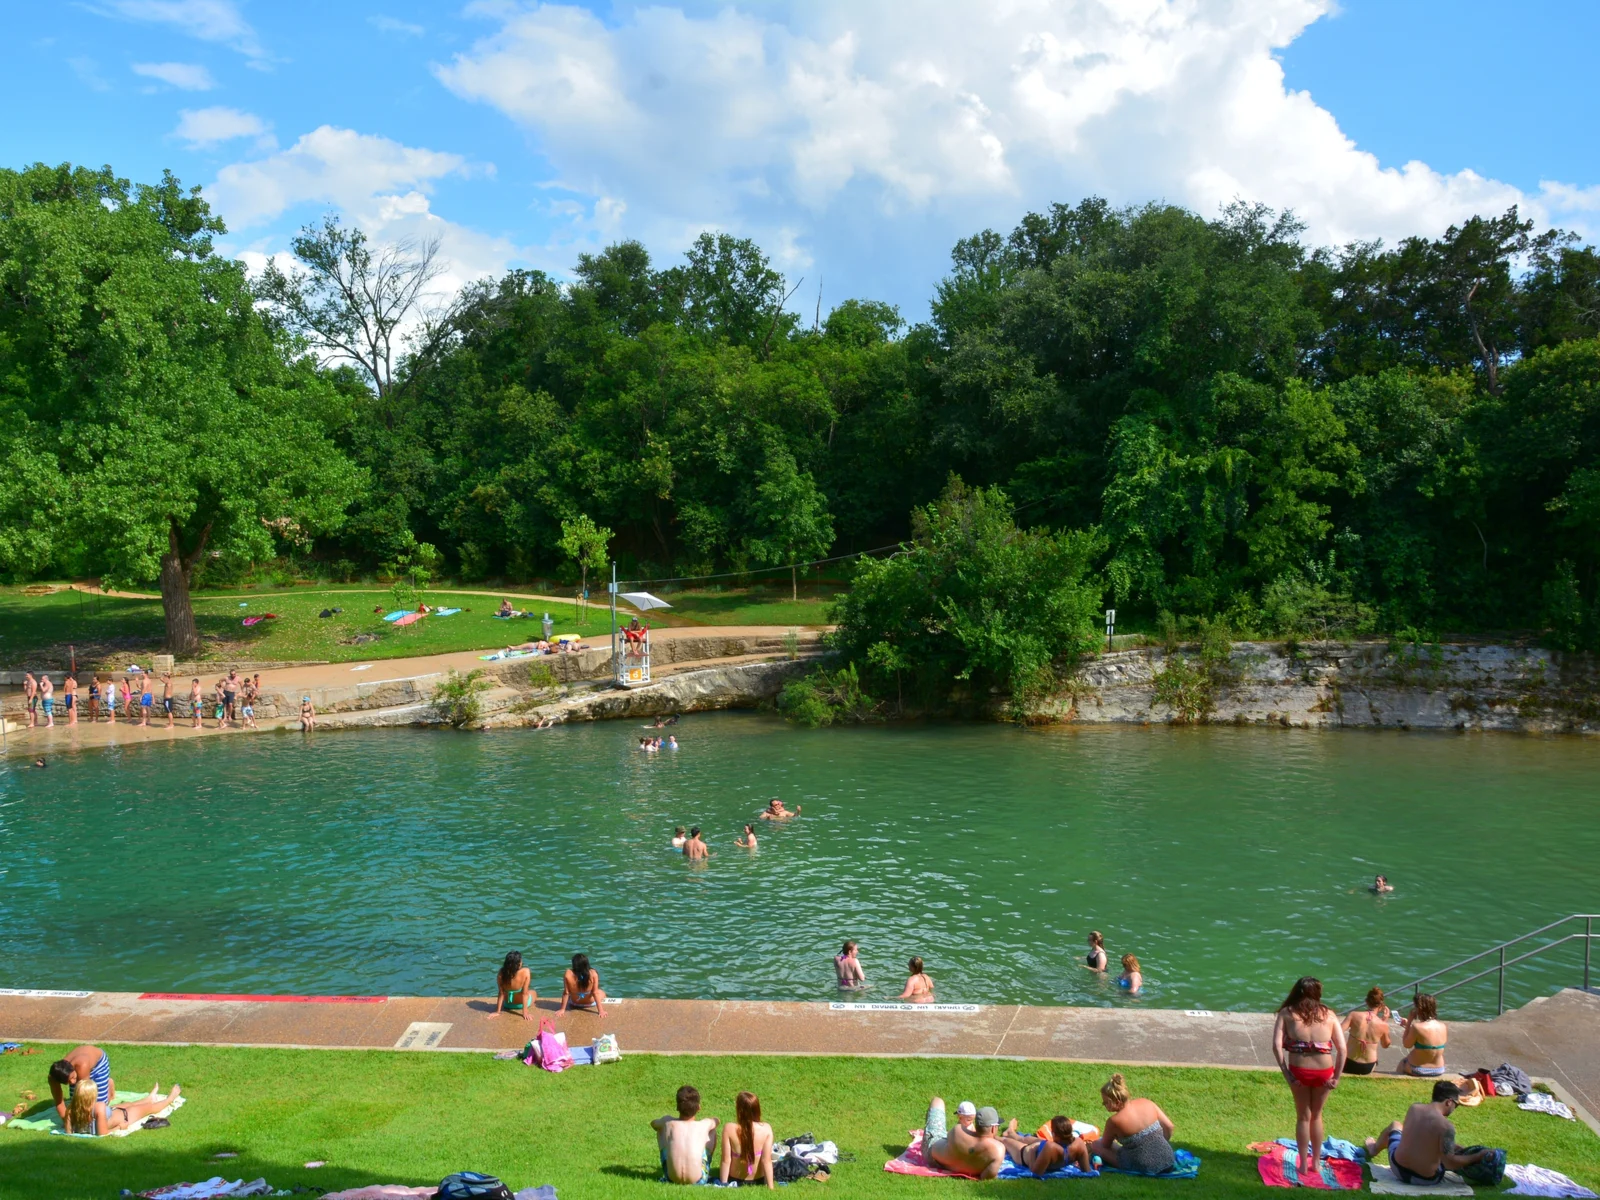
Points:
[[1539, 1181], [397, 614], [911, 1161], [46, 1121], [1386, 1183], [409, 618], [445, 612], [1278, 1170], [1185, 1166], [1331, 1148]]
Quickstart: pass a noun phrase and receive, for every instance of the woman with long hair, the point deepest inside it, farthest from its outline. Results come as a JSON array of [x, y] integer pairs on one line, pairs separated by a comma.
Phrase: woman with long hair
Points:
[[746, 1143], [1132, 977], [1138, 1137], [1096, 958], [580, 987], [1367, 1032], [1425, 1039], [1308, 1042], [89, 1114], [919, 984], [513, 983]]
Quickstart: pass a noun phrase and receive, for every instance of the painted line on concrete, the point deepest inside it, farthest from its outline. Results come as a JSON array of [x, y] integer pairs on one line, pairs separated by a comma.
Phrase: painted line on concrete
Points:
[[214, 996], [423, 1035], [843, 1006], [54, 995]]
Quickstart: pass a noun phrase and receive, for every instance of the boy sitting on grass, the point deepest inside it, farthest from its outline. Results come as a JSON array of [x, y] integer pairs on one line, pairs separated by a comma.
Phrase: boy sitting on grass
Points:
[[685, 1140]]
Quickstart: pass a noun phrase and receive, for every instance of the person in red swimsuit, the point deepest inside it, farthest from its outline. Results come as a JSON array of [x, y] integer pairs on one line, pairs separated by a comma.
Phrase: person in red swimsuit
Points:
[[1308, 1042]]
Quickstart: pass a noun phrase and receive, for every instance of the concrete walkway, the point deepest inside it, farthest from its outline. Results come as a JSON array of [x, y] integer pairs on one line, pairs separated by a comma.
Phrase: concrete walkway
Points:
[[1557, 1038]]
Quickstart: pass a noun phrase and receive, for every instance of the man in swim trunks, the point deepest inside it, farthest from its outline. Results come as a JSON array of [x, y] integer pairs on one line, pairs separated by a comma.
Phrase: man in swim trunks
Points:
[[196, 705], [775, 811], [695, 849], [85, 1062], [166, 696], [685, 1140], [978, 1153], [1423, 1147], [146, 699], [47, 700]]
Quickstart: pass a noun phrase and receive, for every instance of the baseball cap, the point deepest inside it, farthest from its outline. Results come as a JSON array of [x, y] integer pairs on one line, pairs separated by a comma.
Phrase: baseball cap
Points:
[[966, 1109], [988, 1117]]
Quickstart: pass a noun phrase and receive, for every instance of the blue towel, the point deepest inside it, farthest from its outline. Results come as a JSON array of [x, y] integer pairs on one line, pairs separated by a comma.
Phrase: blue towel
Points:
[[1187, 1166], [395, 616], [582, 1056], [1015, 1170], [445, 612], [1332, 1148], [7, 1047]]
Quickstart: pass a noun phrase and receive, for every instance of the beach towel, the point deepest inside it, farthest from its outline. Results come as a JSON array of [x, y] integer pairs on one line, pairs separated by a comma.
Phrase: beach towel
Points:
[[46, 1121], [1544, 1102], [409, 618], [261, 618], [215, 1188], [1185, 1166], [1538, 1181], [445, 612], [1331, 1148], [397, 614], [384, 1191], [1278, 1170], [911, 1161], [1386, 1183], [500, 654]]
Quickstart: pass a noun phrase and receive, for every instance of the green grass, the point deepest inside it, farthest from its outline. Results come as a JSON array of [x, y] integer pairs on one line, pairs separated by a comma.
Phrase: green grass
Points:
[[108, 630], [380, 1116]]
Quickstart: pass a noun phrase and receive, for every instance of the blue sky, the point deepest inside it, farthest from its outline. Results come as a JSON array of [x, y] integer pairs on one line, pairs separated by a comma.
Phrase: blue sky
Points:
[[853, 140]]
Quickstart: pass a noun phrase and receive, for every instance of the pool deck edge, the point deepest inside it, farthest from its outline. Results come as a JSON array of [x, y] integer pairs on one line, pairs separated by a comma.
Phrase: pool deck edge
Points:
[[1556, 1038]]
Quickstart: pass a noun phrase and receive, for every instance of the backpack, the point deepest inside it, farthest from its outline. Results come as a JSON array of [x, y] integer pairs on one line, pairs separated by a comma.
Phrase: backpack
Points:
[[553, 1052], [470, 1185], [1488, 1170]]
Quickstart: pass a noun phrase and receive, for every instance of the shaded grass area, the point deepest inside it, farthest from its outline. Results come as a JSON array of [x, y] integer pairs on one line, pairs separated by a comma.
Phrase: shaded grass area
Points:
[[35, 631], [752, 606], [380, 1116]]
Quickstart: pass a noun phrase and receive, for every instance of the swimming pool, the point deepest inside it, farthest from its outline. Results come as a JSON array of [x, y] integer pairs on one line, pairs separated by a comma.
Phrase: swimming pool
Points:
[[407, 862]]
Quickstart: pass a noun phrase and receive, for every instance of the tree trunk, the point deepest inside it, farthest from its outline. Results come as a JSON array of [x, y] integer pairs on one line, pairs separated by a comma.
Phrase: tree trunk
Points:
[[794, 583], [183, 639]]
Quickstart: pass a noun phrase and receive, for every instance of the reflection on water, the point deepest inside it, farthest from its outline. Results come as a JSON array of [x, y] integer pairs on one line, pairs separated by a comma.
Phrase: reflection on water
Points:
[[404, 862]]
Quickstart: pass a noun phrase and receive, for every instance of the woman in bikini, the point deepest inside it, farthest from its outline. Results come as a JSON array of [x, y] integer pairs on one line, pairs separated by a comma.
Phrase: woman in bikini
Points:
[[919, 987], [1096, 958], [1309, 1044], [89, 1114], [1132, 977], [515, 994], [580, 987], [1425, 1039], [1367, 1031], [746, 1144]]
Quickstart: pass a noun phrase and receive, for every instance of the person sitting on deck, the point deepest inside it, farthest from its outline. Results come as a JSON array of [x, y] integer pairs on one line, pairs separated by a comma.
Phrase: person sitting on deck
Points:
[[1042, 1155], [580, 987], [89, 1114], [1138, 1137], [515, 994], [978, 1153], [1425, 1039], [685, 1140], [1423, 1147]]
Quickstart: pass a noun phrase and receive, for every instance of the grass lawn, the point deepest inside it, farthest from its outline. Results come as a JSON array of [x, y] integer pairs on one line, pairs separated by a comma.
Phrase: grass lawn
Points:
[[107, 630], [381, 1116]]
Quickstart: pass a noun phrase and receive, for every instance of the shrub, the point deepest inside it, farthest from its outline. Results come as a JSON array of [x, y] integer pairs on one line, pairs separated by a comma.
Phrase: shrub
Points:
[[827, 698], [457, 701]]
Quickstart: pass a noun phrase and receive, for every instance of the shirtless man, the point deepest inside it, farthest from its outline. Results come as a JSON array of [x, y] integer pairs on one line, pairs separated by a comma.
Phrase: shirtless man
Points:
[[1423, 1148], [195, 704], [695, 849], [85, 1062], [30, 690], [775, 811], [978, 1153], [146, 699], [69, 688], [47, 700], [166, 696], [1043, 1155], [685, 1140]]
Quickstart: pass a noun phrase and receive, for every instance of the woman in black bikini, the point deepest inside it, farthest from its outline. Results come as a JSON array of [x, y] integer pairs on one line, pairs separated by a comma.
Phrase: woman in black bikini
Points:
[[1367, 1031]]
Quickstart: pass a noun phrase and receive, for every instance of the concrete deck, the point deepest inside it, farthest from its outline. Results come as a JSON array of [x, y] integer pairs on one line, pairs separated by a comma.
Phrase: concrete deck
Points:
[[1557, 1038]]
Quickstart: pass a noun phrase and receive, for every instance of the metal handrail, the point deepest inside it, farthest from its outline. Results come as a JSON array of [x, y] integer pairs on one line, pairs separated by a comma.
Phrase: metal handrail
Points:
[[1587, 937]]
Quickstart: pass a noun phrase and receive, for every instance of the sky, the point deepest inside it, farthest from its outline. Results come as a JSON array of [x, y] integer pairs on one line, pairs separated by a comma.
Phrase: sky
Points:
[[855, 140]]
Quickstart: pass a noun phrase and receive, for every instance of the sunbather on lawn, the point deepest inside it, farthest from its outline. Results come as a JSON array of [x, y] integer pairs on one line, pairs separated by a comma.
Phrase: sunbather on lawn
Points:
[[978, 1153], [89, 1114], [1043, 1155], [1138, 1137], [685, 1140]]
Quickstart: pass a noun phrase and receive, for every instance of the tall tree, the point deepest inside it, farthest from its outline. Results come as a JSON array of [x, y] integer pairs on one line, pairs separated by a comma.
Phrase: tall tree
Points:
[[791, 517], [148, 415]]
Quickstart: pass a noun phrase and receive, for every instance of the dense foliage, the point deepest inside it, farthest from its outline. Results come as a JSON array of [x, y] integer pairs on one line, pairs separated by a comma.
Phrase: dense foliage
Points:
[[1240, 427]]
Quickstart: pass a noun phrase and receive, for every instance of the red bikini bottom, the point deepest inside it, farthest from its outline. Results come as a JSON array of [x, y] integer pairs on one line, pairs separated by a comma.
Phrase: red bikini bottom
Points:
[[1312, 1077]]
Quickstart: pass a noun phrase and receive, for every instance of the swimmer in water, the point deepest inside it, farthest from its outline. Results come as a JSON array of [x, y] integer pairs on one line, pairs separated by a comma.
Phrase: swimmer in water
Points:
[[1095, 960], [672, 742], [919, 986], [847, 966], [1381, 884], [775, 811], [679, 838], [695, 849], [1131, 978], [748, 841]]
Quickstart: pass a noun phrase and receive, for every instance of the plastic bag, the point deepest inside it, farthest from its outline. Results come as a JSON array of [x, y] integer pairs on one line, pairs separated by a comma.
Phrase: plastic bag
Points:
[[606, 1049]]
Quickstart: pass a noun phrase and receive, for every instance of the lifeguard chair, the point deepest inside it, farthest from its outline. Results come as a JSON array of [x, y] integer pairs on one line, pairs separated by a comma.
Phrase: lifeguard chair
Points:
[[630, 650]]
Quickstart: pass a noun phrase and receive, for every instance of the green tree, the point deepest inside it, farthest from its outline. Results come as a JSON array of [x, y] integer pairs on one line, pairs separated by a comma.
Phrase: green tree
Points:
[[791, 520], [148, 415], [586, 544]]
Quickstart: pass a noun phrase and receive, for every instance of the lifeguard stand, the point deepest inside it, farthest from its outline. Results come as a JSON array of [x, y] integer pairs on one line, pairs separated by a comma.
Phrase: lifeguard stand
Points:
[[630, 657]]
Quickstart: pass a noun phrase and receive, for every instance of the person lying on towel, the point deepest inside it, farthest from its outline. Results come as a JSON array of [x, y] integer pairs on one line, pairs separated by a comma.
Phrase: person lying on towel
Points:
[[1423, 1147], [1042, 1155], [89, 1114], [978, 1152]]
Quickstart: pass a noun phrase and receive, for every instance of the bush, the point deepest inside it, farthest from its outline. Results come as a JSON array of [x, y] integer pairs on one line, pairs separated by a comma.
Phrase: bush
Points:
[[456, 701], [827, 698]]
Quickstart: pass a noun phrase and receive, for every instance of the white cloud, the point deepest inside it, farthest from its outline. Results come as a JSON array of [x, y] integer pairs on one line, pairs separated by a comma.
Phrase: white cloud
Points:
[[204, 128], [823, 123], [209, 20], [394, 25], [190, 77], [88, 73]]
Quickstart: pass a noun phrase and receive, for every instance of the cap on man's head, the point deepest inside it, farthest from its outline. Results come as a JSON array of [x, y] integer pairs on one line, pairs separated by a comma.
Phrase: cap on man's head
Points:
[[966, 1109], [988, 1118]]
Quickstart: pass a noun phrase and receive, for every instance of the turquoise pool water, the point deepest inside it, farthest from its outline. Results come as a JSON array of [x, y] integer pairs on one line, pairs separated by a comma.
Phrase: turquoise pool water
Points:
[[408, 862]]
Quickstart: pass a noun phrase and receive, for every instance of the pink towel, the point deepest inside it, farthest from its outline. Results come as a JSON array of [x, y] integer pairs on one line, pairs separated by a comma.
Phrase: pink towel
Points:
[[912, 1162], [1278, 1170], [410, 619]]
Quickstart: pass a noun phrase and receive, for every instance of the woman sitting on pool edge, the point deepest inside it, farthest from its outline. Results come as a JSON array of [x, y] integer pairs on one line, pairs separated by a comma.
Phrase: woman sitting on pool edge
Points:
[[1425, 1039], [89, 1114], [515, 994], [580, 987]]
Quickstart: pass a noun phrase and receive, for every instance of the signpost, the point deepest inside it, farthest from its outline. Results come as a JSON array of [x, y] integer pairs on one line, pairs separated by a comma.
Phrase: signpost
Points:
[[1111, 627]]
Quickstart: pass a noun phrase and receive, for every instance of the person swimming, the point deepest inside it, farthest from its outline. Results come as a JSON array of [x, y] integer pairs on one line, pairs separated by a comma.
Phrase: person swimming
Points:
[[748, 841], [775, 811], [847, 966], [919, 985], [1381, 884], [679, 837], [1095, 960], [1131, 977]]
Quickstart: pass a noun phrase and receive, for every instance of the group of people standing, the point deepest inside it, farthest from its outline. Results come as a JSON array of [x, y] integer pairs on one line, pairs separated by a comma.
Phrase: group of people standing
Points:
[[232, 702]]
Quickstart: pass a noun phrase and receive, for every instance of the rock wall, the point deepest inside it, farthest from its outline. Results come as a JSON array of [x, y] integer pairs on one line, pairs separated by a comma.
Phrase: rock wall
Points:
[[737, 685], [1339, 684]]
